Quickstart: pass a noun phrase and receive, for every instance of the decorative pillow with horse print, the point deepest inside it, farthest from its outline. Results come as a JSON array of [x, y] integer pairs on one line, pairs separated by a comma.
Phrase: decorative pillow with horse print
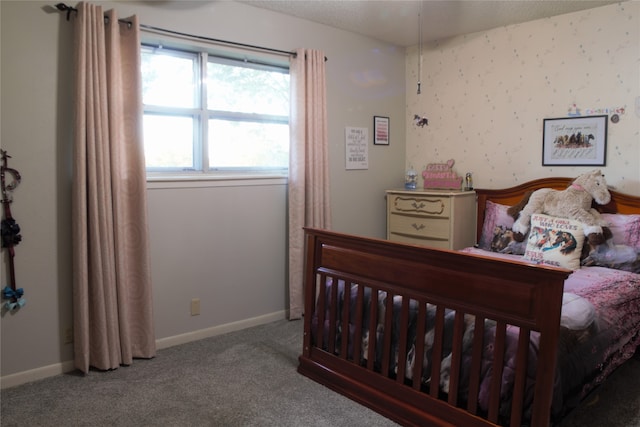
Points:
[[555, 241], [496, 231]]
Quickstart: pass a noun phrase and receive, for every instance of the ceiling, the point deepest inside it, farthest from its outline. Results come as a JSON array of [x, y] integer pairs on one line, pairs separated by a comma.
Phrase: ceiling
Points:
[[396, 21]]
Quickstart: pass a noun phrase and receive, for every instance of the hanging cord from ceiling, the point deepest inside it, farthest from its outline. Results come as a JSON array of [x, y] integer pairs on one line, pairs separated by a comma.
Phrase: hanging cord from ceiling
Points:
[[64, 8], [418, 119], [419, 47]]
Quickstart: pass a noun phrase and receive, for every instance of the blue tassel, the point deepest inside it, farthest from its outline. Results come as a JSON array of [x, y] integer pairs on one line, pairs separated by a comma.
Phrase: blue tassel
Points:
[[15, 298], [7, 293]]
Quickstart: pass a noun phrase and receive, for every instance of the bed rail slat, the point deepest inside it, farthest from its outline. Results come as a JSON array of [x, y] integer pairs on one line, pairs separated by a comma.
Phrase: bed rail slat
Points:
[[402, 341], [357, 333], [373, 336], [436, 355], [456, 354], [386, 346], [322, 303], [346, 308], [333, 313], [496, 374], [476, 364], [521, 376], [419, 353]]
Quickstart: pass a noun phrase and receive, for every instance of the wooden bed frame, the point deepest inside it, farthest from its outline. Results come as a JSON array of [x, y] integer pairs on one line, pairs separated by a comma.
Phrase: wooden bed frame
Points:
[[508, 292]]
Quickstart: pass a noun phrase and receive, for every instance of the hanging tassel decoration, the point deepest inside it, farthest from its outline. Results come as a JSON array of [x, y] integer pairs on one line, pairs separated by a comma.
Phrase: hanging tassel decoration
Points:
[[10, 234], [420, 49]]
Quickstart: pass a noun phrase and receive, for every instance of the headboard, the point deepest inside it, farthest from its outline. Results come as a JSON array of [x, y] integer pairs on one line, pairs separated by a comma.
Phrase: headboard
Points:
[[620, 202]]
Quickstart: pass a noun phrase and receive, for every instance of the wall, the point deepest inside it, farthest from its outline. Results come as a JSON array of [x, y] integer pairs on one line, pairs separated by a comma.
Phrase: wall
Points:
[[223, 242], [486, 95]]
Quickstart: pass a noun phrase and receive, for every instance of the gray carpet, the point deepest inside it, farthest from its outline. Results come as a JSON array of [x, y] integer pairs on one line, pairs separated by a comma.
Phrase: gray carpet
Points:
[[615, 403], [245, 378]]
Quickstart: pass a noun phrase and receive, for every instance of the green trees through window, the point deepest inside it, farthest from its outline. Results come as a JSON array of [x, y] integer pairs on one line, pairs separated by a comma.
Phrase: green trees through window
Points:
[[208, 114]]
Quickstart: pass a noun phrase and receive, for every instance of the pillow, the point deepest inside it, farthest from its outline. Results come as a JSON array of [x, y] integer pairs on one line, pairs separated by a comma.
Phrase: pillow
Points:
[[618, 257], [496, 233], [621, 251], [625, 229], [555, 241]]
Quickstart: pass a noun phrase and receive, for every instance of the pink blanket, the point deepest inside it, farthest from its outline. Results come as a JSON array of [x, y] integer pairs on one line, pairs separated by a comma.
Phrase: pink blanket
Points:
[[613, 337]]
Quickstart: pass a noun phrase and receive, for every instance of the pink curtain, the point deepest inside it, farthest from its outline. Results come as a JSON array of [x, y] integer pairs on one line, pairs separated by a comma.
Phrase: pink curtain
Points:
[[113, 319], [309, 203]]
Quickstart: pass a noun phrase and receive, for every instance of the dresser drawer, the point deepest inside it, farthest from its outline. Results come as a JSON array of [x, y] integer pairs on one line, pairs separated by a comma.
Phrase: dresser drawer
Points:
[[422, 205], [419, 226], [438, 244]]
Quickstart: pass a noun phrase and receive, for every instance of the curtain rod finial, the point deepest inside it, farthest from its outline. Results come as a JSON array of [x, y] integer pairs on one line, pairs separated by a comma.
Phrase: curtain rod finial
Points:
[[63, 7]]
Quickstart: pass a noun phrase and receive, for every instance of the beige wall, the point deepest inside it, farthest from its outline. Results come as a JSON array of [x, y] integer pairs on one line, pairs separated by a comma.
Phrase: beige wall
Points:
[[486, 95], [222, 242]]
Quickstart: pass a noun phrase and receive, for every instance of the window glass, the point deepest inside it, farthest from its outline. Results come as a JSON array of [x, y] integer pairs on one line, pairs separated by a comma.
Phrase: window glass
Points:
[[234, 144], [168, 142], [247, 90], [235, 119], [169, 78]]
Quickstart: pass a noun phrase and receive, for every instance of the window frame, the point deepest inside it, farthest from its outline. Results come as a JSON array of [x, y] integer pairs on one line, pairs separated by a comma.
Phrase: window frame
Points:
[[201, 114]]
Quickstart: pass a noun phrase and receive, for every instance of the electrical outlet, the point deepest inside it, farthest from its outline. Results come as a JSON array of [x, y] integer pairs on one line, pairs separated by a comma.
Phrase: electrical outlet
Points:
[[68, 335], [195, 306]]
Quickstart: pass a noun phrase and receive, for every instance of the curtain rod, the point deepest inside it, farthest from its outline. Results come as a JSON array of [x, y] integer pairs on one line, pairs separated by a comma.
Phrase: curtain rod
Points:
[[64, 8]]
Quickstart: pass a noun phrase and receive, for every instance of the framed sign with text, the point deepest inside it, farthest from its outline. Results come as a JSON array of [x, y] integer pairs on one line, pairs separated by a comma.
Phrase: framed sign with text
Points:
[[357, 148]]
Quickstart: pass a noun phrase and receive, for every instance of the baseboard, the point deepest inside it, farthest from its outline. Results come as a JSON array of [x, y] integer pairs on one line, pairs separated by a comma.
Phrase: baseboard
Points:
[[68, 366], [36, 374], [219, 330]]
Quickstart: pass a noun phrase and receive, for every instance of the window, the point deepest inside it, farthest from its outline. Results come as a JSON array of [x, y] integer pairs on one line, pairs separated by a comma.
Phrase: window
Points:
[[213, 115]]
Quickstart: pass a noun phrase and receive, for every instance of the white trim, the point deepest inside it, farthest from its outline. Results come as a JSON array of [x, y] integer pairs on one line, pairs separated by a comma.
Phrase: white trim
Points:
[[204, 182], [219, 330], [36, 374], [43, 372]]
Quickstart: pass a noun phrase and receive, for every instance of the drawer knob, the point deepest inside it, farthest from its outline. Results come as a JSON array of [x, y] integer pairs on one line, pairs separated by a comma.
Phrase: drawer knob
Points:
[[418, 205], [418, 227]]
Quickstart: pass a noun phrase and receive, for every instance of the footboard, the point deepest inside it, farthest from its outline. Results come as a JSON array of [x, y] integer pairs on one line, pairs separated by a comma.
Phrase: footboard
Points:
[[431, 337]]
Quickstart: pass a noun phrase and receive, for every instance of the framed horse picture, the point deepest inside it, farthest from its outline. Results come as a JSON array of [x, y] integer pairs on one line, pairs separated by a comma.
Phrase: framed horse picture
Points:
[[575, 141]]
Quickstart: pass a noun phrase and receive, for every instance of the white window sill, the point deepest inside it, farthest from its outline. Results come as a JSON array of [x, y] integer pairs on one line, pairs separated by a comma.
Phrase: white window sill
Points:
[[202, 181]]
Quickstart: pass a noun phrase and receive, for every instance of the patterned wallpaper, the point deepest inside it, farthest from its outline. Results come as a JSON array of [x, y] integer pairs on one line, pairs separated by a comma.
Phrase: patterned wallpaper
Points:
[[486, 95]]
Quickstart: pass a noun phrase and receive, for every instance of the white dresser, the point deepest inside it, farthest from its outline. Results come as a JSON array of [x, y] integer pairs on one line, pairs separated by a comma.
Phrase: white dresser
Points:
[[444, 219]]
